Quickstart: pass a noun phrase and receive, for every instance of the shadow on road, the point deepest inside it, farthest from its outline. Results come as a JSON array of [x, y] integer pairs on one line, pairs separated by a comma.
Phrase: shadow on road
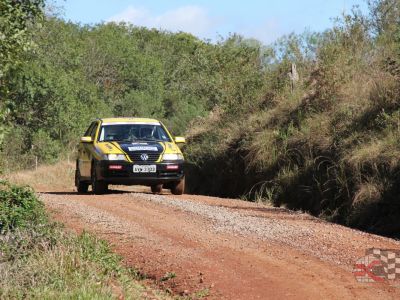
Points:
[[109, 192]]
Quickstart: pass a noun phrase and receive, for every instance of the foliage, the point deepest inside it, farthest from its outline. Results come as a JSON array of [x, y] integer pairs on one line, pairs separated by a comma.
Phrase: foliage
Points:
[[19, 207], [326, 143], [41, 261], [17, 17], [329, 145], [78, 73]]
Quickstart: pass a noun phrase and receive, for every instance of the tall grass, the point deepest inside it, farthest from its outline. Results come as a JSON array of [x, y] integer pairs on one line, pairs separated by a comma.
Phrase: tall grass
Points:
[[41, 261], [330, 146]]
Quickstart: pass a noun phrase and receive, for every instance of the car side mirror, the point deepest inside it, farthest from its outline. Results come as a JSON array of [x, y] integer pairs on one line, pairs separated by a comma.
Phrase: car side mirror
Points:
[[180, 140], [86, 139]]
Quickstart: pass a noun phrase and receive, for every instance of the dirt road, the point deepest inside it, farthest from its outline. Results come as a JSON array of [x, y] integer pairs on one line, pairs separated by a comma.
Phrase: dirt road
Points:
[[226, 249]]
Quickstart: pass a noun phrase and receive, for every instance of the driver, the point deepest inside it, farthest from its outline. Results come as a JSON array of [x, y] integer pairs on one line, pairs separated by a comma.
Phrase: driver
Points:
[[146, 132]]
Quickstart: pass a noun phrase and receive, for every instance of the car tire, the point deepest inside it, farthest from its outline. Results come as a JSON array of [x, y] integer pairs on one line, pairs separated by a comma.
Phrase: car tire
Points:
[[156, 189], [98, 187], [179, 187], [81, 187]]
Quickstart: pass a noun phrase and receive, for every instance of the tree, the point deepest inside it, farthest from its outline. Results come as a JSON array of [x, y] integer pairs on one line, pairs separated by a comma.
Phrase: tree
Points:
[[17, 16]]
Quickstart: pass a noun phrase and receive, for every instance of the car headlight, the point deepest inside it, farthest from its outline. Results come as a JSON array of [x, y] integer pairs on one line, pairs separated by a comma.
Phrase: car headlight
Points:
[[173, 156], [115, 157]]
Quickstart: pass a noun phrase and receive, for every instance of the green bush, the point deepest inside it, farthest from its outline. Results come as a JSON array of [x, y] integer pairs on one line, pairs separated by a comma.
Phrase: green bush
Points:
[[41, 261], [19, 208], [45, 148]]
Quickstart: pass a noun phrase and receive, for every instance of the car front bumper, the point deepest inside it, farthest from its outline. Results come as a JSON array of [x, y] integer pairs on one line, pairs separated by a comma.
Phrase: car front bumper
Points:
[[126, 176]]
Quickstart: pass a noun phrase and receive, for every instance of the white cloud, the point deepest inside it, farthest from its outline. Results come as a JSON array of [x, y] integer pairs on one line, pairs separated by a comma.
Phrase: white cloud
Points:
[[196, 20], [193, 19], [266, 32]]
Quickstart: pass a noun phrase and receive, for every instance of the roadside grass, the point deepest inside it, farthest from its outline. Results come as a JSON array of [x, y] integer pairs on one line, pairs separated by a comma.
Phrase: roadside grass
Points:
[[328, 145], [39, 260], [59, 175]]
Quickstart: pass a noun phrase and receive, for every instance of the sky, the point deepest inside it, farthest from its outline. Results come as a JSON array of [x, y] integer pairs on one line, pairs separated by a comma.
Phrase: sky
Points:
[[209, 19]]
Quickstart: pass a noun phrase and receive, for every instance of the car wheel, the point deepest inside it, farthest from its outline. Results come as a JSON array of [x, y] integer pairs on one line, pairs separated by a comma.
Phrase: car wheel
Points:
[[98, 187], [156, 189], [82, 187], [179, 187]]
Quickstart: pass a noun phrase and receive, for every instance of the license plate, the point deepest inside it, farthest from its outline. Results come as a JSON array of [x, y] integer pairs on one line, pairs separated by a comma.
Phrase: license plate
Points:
[[144, 168]]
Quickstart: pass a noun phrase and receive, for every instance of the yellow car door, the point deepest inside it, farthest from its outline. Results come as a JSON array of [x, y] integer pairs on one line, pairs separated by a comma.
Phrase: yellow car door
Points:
[[86, 149]]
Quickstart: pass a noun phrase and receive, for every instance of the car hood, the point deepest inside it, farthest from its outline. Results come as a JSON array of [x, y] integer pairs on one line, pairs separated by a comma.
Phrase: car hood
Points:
[[142, 147]]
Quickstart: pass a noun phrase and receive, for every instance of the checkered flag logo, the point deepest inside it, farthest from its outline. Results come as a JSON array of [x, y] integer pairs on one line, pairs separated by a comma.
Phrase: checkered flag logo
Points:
[[390, 261]]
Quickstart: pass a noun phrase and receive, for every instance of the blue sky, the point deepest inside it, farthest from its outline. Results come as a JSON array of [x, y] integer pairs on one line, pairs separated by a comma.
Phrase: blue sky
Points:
[[264, 20]]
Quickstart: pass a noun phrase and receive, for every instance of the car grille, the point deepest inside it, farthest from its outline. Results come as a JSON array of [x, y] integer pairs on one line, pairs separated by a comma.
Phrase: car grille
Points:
[[152, 157]]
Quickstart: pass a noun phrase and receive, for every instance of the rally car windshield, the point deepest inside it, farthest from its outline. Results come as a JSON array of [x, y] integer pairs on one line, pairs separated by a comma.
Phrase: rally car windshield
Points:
[[133, 132]]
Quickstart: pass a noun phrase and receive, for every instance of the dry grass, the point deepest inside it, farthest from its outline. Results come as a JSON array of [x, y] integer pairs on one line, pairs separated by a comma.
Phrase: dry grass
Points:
[[369, 191], [59, 176], [70, 268], [330, 146], [380, 151], [202, 125], [262, 152]]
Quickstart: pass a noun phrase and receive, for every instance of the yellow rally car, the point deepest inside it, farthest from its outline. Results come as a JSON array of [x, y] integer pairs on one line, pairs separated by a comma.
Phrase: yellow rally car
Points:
[[129, 151]]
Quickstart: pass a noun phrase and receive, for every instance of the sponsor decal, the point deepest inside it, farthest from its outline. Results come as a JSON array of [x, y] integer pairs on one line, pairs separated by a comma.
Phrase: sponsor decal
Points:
[[143, 148]]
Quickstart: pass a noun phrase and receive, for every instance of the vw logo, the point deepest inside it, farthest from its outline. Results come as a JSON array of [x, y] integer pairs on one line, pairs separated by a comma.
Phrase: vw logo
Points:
[[144, 156]]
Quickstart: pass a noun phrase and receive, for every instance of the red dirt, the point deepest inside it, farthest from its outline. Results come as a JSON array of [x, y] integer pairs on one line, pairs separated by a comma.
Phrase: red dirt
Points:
[[158, 239]]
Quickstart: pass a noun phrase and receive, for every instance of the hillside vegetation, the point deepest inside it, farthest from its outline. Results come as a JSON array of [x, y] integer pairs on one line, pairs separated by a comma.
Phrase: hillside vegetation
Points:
[[330, 144], [71, 74], [327, 143]]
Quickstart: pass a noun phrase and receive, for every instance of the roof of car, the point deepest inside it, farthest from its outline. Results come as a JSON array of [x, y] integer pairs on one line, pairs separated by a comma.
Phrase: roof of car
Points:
[[129, 120]]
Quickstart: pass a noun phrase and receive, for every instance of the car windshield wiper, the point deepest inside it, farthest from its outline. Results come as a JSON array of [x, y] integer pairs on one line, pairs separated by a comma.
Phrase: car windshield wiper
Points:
[[155, 140], [123, 140], [129, 140]]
